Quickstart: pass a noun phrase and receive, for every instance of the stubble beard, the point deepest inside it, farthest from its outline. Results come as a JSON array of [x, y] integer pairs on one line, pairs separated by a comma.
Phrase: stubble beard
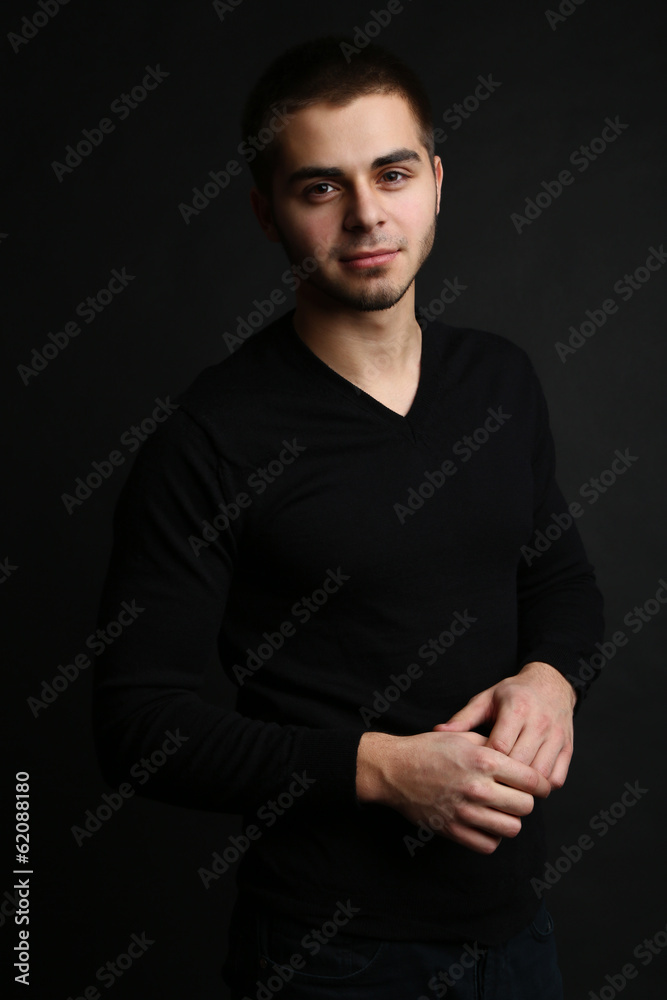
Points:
[[382, 295]]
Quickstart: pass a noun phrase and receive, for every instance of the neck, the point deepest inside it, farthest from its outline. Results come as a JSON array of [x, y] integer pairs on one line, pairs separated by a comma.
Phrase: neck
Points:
[[374, 350]]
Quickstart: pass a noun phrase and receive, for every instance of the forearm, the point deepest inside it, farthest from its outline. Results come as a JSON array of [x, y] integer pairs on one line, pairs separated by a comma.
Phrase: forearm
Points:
[[217, 759], [560, 608]]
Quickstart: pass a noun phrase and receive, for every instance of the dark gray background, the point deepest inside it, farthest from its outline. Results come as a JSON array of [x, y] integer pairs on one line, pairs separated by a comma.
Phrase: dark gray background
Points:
[[119, 208]]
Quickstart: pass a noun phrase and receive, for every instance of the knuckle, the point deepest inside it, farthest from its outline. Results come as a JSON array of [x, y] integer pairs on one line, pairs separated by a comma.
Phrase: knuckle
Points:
[[521, 704], [530, 776], [514, 827], [484, 762], [534, 780], [465, 813], [543, 723], [474, 791], [528, 806]]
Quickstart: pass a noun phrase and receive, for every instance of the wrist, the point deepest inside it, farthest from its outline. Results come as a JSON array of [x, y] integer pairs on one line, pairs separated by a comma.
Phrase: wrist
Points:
[[374, 757], [547, 670]]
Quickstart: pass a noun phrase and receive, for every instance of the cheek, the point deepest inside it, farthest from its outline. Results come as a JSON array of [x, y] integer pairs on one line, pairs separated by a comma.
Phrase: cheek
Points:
[[417, 213], [305, 230], [313, 232]]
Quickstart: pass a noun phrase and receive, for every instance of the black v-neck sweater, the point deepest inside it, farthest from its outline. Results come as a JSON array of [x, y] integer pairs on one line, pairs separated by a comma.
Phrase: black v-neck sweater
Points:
[[357, 569]]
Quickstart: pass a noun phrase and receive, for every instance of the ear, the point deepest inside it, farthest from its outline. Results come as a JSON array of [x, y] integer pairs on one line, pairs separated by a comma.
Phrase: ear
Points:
[[261, 206], [437, 163]]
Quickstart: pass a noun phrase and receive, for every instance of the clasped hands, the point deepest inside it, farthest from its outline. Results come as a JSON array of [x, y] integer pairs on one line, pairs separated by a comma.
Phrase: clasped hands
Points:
[[531, 743]]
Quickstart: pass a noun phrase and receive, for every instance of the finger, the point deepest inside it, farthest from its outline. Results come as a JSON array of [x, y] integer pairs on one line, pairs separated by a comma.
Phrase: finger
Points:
[[478, 710], [473, 839], [473, 737], [561, 767], [518, 775], [531, 745], [505, 799], [506, 730], [544, 760], [556, 741], [490, 821]]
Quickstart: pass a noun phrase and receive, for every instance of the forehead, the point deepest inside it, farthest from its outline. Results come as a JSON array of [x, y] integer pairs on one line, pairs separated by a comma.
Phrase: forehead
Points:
[[350, 137]]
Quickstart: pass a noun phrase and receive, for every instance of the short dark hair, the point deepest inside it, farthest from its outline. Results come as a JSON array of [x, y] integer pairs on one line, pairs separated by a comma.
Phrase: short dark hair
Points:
[[323, 71]]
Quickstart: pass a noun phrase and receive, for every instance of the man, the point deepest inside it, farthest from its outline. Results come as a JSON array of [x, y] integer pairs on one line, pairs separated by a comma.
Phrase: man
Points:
[[347, 506]]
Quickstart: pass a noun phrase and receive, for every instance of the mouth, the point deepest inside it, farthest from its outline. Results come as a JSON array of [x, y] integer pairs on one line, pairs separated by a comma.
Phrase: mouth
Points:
[[369, 258]]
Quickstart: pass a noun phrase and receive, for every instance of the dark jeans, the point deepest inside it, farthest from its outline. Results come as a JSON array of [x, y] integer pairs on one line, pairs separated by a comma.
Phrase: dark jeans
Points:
[[272, 955]]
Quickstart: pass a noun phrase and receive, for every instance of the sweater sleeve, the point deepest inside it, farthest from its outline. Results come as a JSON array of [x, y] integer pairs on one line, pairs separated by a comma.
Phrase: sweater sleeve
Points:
[[560, 605], [169, 593]]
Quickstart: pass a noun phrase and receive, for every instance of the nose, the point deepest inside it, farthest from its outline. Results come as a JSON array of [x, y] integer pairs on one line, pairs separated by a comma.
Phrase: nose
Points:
[[364, 209]]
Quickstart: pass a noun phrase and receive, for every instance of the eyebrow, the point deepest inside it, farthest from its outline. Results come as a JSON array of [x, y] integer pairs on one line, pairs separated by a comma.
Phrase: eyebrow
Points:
[[395, 156]]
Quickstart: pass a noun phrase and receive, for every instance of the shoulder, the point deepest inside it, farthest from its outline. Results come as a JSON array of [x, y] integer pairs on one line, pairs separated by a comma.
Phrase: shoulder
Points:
[[223, 407], [468, 349], [246, 374], [226, 399]]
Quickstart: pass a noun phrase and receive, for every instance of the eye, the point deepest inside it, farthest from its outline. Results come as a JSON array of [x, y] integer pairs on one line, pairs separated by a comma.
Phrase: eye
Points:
[[316, 188], [393, 176]]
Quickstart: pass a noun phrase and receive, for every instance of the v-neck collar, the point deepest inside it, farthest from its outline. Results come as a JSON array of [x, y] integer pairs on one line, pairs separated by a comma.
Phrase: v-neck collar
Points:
[[321, 374]]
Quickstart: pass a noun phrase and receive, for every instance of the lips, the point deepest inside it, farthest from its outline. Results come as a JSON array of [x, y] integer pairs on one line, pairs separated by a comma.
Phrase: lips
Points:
[[367, 260], [379, 252]]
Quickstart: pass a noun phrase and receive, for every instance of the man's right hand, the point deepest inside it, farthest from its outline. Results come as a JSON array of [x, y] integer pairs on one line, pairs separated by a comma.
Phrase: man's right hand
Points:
[[451, 782]]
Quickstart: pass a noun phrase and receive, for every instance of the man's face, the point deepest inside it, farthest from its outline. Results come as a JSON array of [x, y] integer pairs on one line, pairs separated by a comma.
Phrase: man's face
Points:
[[349, 181]]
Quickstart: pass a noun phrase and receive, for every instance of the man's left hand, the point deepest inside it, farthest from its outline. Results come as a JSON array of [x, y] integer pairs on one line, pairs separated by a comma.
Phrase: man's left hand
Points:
[[532, 715]]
